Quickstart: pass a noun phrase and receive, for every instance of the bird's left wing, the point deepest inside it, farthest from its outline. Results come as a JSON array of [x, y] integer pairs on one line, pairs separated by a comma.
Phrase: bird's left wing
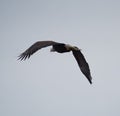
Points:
[[36, 46], [84, 67]]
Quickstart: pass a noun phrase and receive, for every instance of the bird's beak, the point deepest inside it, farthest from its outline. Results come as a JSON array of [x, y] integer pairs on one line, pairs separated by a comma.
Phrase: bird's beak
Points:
[[52, 50]]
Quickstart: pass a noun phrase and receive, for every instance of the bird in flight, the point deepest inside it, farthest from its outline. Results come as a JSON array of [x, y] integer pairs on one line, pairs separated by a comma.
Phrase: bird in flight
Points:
[[60, 48]]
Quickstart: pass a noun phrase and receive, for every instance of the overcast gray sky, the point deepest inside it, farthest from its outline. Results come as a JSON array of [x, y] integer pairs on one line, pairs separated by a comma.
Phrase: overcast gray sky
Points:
[[51, 84]]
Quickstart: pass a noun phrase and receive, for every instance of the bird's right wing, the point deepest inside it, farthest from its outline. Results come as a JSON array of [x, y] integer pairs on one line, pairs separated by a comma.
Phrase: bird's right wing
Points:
[[82, 63], [36, 46]]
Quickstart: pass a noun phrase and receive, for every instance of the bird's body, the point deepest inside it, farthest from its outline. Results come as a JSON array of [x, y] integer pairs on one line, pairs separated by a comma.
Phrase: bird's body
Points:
[[60, 48]]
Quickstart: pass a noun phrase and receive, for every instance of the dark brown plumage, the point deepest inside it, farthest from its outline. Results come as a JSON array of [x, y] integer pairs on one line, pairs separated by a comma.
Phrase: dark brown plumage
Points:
[[60, 48]]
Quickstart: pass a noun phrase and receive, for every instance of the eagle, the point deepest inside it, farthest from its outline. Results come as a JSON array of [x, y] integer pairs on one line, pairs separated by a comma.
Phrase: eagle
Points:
[[60, 48]]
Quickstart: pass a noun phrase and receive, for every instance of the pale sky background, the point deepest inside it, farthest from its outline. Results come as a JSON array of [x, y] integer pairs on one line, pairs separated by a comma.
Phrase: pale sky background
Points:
[[51, 84]]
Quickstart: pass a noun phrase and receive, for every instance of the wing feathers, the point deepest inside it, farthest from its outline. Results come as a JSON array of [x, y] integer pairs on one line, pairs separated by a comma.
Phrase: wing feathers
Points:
[[36, 46], [84, 67]]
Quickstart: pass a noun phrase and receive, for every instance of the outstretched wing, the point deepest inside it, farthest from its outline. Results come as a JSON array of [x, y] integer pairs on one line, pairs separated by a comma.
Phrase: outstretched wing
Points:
[[36, 46], [84, 67]]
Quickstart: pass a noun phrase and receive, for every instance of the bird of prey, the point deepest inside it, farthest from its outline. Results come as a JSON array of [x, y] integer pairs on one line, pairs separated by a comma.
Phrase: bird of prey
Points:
[[60, 48]]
